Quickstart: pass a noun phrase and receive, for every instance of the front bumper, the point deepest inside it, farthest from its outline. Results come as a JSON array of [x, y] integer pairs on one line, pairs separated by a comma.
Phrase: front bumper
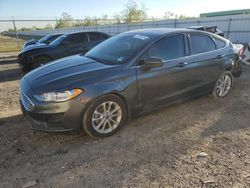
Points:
[[52, 116], [55, 117]]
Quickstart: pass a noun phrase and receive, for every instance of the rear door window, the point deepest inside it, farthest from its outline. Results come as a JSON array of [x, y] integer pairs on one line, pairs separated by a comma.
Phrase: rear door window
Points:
[[171, 47], [95, 37], [201, 44], [104, 36], [76, 39]]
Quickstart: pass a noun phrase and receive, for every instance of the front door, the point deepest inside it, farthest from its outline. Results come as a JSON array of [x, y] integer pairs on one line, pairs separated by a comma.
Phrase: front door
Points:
[[158, 86]]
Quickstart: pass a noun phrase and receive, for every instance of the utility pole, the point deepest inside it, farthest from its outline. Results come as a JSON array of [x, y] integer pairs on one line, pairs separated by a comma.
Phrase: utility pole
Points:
[[14, 24], [153, 19], [56, 26]]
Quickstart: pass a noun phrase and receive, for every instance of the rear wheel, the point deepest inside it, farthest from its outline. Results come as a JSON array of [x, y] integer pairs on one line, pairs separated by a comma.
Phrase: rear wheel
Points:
[[237, 69], [41, 60], [105, 116], [223, 85]]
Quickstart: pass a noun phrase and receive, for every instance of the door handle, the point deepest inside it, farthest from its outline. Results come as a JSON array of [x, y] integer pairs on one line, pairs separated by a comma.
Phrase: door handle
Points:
[[182, 64], [219, 57]]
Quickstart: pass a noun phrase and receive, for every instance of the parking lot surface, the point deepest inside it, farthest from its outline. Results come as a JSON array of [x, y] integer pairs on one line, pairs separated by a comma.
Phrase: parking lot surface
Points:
[[199, 143]]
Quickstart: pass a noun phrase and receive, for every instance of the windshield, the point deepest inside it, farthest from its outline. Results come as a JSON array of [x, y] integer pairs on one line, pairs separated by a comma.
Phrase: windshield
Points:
[[58, 41], [119, 48], [44, 39]]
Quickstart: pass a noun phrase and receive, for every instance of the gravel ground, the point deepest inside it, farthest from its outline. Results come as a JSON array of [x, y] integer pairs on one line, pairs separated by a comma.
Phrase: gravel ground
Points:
[[199, 143]]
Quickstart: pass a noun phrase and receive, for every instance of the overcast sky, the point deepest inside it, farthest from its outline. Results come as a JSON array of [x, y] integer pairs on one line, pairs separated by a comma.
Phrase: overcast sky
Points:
[[50, 9]]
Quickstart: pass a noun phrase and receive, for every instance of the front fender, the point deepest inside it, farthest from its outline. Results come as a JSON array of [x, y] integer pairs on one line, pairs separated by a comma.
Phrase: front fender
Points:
[[125, 86]]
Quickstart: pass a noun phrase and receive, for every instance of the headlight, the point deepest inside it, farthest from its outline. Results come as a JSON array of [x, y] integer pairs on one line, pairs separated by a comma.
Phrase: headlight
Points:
[[59, 96]]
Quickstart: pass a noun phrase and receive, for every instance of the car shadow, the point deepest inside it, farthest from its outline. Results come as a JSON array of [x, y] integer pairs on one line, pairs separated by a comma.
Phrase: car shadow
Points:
[[10, 119], [233, 119], [8, 61], [10, 75]]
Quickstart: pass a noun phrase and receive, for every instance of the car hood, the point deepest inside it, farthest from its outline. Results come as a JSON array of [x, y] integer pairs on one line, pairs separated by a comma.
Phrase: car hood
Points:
[[66, 73], [36, 45], [29, 42]]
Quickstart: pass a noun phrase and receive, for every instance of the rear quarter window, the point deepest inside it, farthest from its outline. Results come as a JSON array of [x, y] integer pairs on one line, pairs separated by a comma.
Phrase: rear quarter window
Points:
[[219, 43], [104, 36], [201, 43], [95, 37]]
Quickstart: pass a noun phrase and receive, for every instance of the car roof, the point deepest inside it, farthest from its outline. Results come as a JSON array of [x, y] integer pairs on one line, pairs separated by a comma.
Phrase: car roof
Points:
[[160, 31], [196, 27], [72, 33], [53, 34]]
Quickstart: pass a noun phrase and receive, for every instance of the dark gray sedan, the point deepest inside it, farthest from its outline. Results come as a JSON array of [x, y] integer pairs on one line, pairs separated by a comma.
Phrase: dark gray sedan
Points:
[[127, 75], [65, 45]]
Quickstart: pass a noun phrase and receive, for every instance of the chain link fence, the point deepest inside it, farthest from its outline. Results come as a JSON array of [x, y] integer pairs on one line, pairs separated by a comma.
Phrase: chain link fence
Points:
[[235, 27]]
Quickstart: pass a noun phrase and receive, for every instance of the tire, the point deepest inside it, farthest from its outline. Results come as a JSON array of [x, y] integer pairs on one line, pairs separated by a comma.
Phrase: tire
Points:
[[237, 69], [223, 85], [40, 60], [26, 69], [97, 123]]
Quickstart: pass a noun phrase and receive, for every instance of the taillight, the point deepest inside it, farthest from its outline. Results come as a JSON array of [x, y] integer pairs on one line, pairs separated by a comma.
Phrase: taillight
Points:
[[241, 52]]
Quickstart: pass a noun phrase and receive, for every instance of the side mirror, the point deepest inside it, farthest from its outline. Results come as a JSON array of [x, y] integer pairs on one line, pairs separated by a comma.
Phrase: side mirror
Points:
[[152, 62]]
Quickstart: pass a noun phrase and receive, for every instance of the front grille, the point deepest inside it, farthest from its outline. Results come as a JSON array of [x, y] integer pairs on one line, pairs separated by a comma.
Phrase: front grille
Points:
[[28, 105]]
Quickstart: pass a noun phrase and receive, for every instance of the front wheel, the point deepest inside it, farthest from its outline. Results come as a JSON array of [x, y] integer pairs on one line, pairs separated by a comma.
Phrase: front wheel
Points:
[[105, 116], [41, 60], [223, 85]]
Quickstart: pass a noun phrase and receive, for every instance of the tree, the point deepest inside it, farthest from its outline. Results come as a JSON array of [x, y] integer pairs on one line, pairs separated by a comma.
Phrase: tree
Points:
[[132, 13], [78, 23], [48, 27], [183, 17], [104, 20], [117, 18], [169, 15], [64, 21], [89, 21]]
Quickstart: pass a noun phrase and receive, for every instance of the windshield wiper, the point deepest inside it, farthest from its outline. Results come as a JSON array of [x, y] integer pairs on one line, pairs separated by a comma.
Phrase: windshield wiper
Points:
[[96, 59]]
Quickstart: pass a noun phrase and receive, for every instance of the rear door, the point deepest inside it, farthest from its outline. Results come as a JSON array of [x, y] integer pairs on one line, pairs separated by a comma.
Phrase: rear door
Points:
[[207, 61]]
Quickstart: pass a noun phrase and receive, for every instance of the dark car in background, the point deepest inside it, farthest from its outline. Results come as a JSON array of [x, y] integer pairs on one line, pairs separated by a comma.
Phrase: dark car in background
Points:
[[44, 40], [127, 75], [66, 45], [211, 29]]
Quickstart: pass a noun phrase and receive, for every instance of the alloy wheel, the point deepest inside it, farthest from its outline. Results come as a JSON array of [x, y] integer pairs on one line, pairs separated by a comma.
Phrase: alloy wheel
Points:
[[106, 117], [224, 85]]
